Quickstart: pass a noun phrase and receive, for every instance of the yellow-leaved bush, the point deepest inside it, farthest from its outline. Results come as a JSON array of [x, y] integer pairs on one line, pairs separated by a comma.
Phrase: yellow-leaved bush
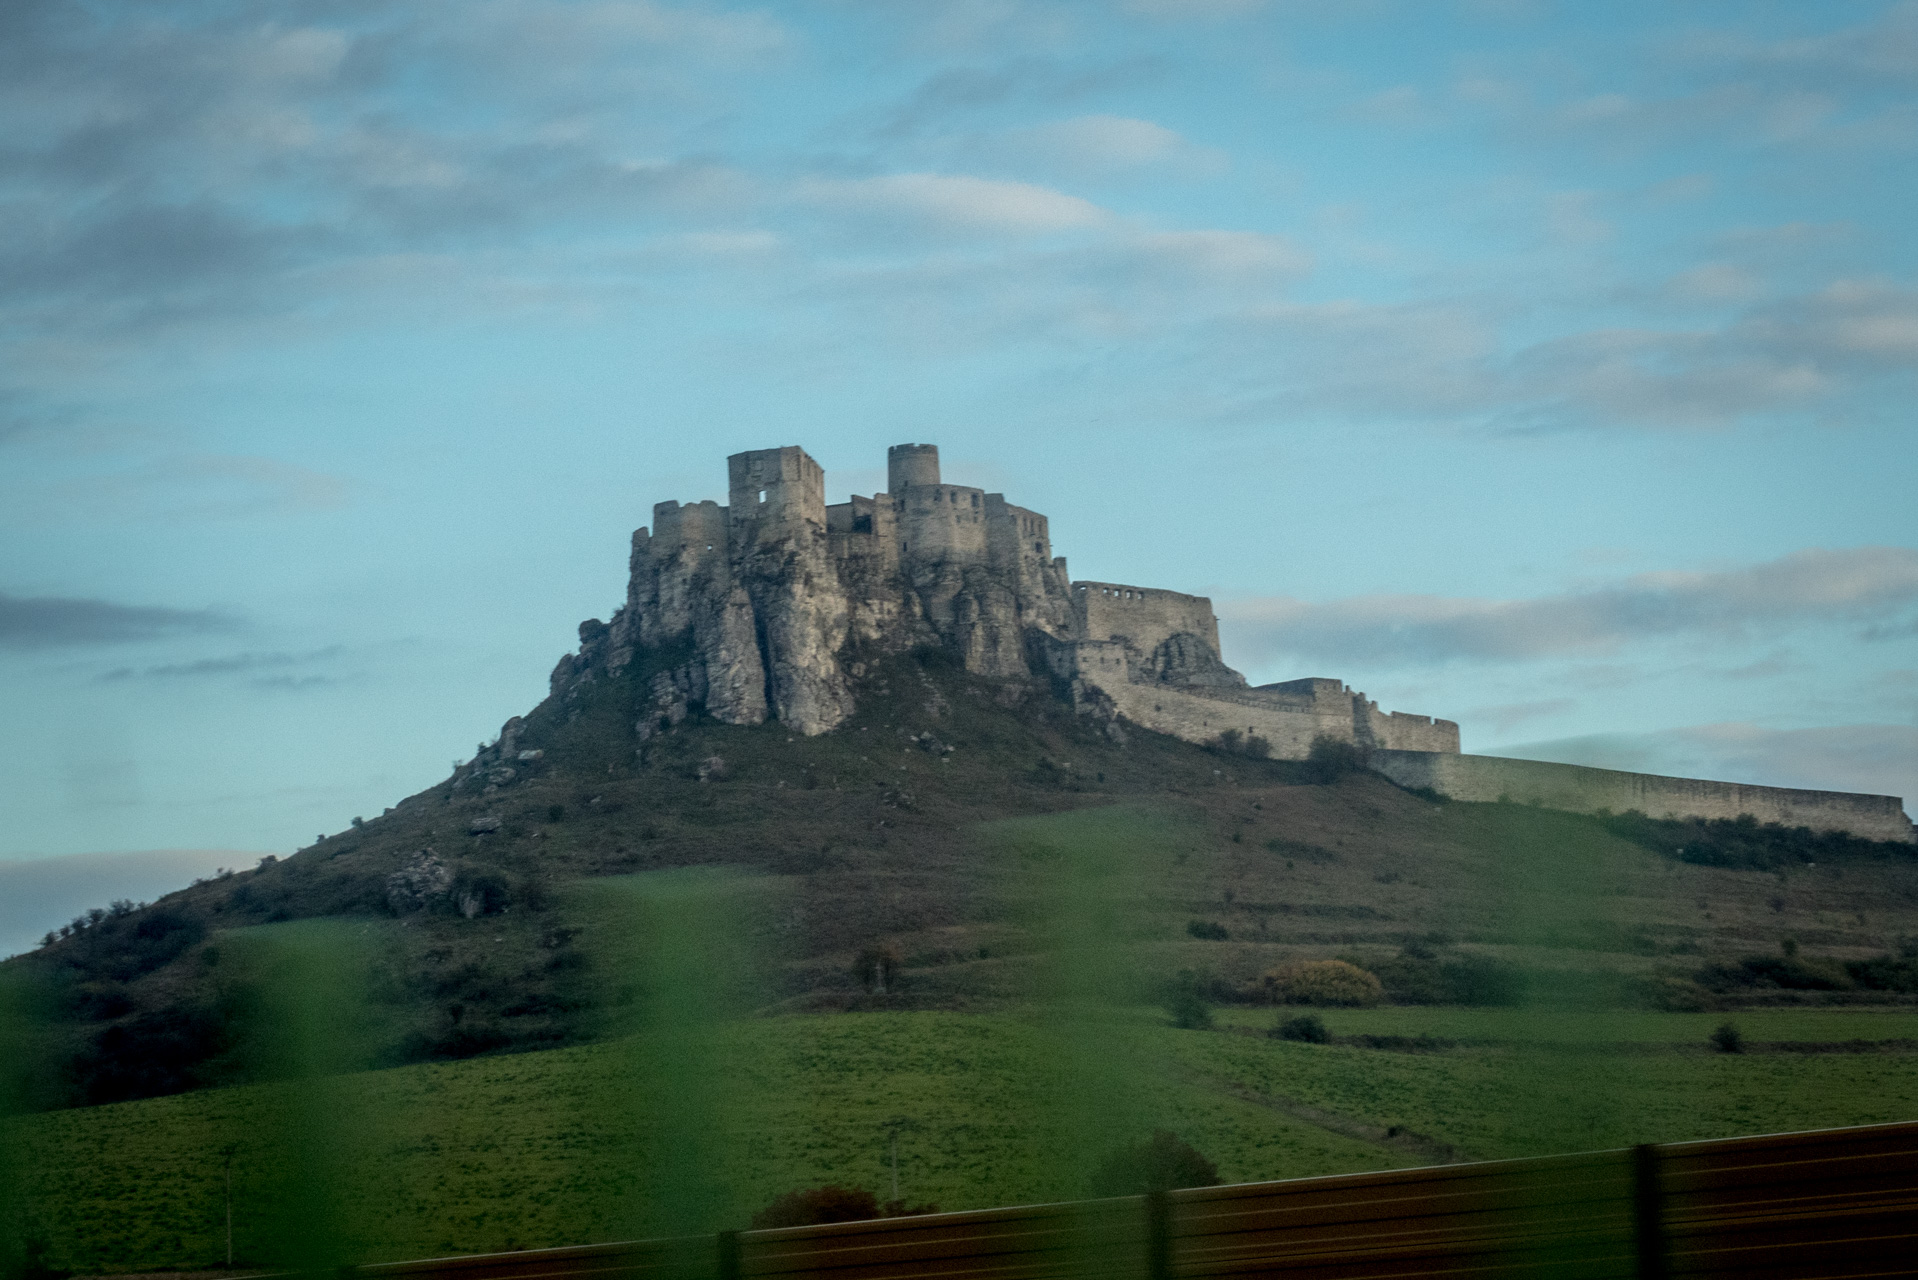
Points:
[[1323, 982]]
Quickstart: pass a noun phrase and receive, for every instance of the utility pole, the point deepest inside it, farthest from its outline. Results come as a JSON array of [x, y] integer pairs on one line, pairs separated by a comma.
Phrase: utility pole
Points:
[[892, 1127], [229, 1208]]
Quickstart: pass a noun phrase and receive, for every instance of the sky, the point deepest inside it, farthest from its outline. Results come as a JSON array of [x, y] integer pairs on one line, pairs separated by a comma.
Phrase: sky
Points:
[[1537, 364]]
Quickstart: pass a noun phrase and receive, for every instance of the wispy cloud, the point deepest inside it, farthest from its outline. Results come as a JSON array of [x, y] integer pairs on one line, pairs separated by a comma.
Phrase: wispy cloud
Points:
[[1503, 717], [51, 622], [234, 664], [958, 91], [207, 485], [1099, 148], [1805, 355], [956, 203], [1873, 586]]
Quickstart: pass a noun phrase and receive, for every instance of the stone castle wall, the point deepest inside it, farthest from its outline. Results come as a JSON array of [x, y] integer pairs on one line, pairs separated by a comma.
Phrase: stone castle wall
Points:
[[1579, 789], [1144, 616], [942, 523], [1197, 717], [772, 594], [1287, 721]]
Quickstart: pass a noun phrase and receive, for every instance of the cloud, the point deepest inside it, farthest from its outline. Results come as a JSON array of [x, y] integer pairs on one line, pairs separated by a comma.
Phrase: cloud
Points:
[[1812, 354], [1114, 282], [208, 485], [1714, 283], [1863, 585], [1095, 146], [48, 622], [1204, 9], [40, 894], [1879, 53], [959, 90], [201, 163], [230, 665], [956, 204], [1877, 759], [1503, 717]]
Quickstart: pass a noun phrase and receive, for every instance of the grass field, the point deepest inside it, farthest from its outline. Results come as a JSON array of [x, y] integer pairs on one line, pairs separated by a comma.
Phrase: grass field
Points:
[[557, 1147]]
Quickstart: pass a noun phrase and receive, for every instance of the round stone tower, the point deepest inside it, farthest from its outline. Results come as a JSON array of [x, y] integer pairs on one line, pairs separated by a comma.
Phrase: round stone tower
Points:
[[911, 464]]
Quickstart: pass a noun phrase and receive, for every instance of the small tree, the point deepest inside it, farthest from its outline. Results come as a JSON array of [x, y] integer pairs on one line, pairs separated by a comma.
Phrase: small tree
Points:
[[1186, 1002], [1164, 1162], [1328, 759], [1727, 1039]]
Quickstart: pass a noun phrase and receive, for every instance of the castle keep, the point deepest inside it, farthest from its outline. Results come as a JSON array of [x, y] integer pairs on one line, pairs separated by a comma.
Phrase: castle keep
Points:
[[769, 606]]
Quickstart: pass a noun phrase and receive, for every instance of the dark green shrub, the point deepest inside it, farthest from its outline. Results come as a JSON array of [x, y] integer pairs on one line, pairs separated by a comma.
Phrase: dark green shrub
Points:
[[1328, 759], [1883, 973], [1744, 842], [1418, 975], [1788, 973], [818, 1204], [1668, 994], [1210, 930], [1727, 1040], [1164, 1162], [1186, 1002], [1307, 1028], [1232, 742]]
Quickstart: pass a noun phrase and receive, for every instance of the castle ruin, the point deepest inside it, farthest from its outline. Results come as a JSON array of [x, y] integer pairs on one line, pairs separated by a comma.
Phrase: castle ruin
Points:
[[769, 607], [773, 597]]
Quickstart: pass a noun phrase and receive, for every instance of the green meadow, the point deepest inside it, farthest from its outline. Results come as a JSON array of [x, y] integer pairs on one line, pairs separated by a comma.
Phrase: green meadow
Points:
[[553, 1148]]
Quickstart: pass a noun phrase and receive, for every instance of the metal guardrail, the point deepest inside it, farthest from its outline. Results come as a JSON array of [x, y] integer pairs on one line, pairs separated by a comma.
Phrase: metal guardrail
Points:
[[1832, 1203]]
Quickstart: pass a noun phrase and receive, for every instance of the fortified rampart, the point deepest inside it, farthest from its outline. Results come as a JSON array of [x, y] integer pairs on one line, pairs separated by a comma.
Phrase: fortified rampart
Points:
[[1581, 789], [771, 596]]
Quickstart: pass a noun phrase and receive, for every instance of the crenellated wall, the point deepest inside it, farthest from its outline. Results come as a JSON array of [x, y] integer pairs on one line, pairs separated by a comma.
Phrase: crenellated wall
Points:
[[1144, 616], [701, 526], [1402, 731]]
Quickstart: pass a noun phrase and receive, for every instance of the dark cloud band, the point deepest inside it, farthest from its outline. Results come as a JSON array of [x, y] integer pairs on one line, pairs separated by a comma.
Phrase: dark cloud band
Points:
[[1877, 586], [48, 622]]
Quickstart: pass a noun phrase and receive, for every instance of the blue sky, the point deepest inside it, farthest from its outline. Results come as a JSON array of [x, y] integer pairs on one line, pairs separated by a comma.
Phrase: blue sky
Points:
[[1545, 366]]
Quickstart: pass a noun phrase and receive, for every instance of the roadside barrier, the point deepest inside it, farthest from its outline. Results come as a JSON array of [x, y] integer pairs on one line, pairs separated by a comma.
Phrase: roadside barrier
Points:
[[1831, 1203]]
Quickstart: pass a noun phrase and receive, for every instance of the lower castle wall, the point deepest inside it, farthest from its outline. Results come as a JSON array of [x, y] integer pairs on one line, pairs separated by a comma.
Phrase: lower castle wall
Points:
[[1165, 709], [1403, 731], [1580, 789]]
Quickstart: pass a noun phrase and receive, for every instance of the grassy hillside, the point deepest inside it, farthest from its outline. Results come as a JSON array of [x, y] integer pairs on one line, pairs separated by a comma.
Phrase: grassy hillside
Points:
[[908, 836], [553, 1147]]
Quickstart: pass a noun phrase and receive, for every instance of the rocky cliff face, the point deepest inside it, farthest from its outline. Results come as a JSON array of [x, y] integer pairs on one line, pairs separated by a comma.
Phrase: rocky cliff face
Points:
[[760, 608]]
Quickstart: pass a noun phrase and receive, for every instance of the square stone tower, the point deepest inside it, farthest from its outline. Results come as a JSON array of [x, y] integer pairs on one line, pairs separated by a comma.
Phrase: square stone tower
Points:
[[775, 493]]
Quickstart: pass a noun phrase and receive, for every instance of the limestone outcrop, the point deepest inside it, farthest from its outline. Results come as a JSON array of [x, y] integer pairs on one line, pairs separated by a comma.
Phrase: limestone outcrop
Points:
[[758, 609]]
